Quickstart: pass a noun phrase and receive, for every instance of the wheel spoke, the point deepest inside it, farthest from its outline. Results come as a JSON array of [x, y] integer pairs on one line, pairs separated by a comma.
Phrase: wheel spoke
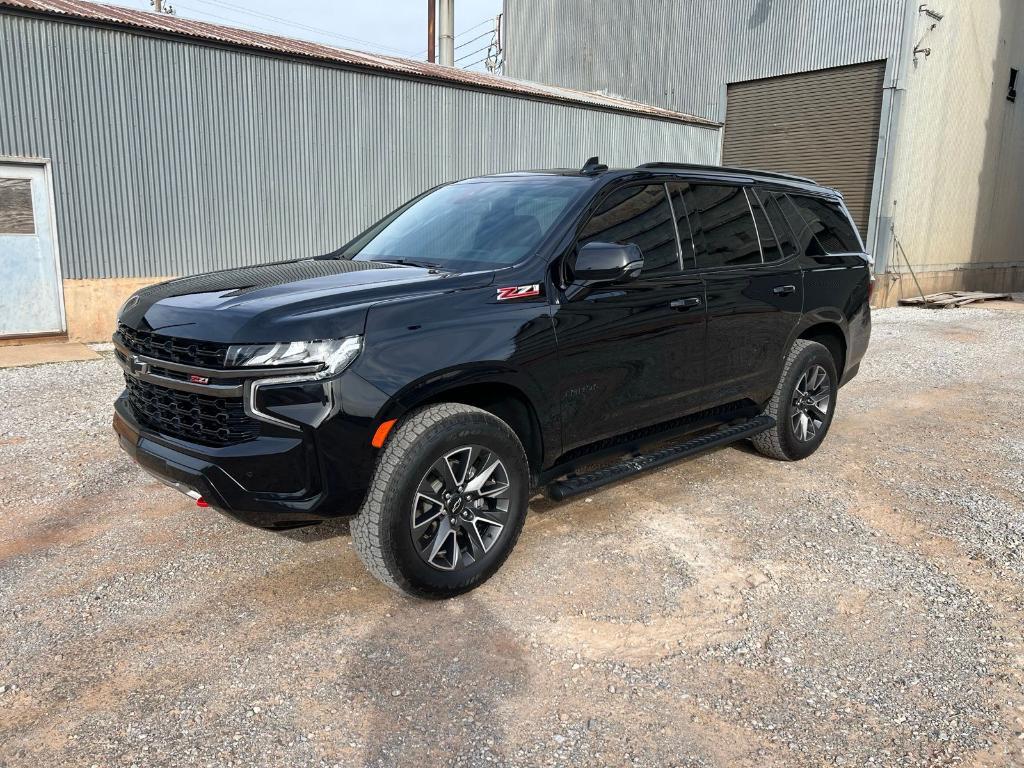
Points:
[[477, 548], [802, 426], [474, 485], [444, 533], [447, 472], [817, 413], [495, 492]]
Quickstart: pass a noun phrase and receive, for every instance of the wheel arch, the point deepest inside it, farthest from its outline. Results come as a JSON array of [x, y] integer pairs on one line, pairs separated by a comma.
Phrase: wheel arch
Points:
[[831, 336], [503, 395]]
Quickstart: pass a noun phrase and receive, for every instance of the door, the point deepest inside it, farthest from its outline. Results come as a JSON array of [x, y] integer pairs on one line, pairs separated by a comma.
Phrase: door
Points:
[[30, 289], [753, 291], [632, 354], [822, 124]]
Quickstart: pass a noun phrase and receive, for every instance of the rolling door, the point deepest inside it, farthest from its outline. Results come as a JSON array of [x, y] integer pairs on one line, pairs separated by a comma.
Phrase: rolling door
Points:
[[821, 124]]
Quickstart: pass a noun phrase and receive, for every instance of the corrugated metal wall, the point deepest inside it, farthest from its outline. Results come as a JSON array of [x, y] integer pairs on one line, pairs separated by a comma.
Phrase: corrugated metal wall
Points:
[[679, 54], [171, 157]]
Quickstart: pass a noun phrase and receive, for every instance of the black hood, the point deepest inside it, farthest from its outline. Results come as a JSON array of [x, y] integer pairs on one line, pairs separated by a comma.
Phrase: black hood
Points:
[[297, 300]]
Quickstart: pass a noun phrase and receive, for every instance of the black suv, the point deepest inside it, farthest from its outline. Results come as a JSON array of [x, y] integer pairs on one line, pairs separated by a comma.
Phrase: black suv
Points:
[[491, 337]]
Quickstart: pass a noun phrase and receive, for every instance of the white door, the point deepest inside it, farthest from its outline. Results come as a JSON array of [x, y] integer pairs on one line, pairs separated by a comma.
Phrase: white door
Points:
[[31, 299]]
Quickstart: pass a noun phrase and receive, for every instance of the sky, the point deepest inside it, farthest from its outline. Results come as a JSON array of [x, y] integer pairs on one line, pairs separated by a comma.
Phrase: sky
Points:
[[395, 27]]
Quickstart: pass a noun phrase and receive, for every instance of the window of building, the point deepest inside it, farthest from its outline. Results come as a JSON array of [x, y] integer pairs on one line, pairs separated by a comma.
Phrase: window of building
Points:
[[639, 215], [16, 207], [723, 227]]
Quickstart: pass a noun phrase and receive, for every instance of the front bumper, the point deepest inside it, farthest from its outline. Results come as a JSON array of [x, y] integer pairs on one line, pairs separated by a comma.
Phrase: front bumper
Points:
[[229, 478]]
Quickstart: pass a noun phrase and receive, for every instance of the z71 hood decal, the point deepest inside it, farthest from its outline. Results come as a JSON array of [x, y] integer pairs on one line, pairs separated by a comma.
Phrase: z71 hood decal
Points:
[[518, 292]]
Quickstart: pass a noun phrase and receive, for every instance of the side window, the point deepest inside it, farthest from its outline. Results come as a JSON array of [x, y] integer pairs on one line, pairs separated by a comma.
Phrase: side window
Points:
[[785, 244], [638, 215], [806, 243], [829, 224], [681, 195], [723, 227], [770, 249]]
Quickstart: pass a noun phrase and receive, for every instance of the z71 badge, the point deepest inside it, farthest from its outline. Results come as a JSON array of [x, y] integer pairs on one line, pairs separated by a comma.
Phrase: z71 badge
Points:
[[518, 292]]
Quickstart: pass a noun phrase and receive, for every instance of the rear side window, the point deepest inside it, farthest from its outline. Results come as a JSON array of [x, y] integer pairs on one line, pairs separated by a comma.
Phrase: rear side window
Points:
[[723, 227], [785, 241], [638, 215], [828, 223]]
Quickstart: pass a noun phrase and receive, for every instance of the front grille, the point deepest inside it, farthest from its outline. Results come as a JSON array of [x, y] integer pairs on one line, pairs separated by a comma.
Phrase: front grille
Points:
[[215, 421], [204, 354]]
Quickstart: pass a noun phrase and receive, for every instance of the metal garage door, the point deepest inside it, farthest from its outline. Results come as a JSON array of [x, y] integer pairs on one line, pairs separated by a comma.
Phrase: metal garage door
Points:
[[821, 124]]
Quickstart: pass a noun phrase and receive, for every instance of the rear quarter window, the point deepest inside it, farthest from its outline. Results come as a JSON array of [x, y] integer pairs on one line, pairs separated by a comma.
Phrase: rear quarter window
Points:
[[828, 223]]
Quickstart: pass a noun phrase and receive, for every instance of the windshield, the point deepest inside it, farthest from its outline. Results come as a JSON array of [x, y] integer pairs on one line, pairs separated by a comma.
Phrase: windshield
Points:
[[475, 224]]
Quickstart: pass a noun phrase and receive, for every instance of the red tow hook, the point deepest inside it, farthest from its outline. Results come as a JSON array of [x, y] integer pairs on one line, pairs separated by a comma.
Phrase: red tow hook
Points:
[[201, 502]]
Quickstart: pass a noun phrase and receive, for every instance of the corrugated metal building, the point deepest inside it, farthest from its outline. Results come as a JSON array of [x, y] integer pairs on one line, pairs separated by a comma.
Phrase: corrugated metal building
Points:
[[906, 107], [134, 147]]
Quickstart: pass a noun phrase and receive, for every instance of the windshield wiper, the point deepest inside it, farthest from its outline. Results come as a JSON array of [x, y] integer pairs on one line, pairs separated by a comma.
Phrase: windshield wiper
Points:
[[410, 263]]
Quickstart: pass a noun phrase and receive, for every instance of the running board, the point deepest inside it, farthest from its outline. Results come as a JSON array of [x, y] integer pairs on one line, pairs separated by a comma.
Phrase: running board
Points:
[[576, 484]]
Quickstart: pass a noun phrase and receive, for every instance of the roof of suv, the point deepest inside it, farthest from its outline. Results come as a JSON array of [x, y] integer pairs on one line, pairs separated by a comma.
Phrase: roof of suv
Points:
[[710, 171]]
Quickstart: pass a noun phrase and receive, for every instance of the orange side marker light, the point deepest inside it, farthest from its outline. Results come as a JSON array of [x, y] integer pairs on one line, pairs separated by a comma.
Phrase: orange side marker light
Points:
[[382, 433]]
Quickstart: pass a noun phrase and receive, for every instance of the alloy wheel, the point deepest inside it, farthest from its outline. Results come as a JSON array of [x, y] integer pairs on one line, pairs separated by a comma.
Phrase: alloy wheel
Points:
[[811, 401], [461, 508]]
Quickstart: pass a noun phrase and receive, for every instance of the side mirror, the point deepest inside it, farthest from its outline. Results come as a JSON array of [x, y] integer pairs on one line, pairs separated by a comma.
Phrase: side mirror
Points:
[[607, 263]]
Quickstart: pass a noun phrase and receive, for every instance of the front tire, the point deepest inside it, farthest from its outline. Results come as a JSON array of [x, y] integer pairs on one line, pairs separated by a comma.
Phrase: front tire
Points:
[[446, 504], [803, 403]]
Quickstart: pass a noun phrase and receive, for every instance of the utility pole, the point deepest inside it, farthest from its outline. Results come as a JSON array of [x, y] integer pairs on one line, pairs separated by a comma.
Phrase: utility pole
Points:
[[447, 19], [431, 31], [160, 7]]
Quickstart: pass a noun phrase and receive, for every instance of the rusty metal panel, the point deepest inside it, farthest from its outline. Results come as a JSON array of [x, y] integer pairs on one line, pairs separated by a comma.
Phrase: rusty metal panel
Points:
[[173, 156]]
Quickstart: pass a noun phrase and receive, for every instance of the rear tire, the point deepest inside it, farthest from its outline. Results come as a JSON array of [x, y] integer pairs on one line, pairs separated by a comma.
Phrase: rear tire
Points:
[[446, 504], [803, 403]]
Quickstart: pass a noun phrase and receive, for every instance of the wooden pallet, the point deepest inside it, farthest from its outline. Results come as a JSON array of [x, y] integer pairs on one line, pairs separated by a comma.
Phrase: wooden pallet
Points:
[[952, 299]]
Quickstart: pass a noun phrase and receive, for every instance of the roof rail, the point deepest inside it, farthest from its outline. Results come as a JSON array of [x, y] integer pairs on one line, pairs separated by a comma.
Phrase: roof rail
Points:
[[694, 166]]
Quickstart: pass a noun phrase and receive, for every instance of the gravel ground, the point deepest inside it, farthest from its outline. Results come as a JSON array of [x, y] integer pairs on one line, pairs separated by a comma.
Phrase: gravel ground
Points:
[[864, 606]]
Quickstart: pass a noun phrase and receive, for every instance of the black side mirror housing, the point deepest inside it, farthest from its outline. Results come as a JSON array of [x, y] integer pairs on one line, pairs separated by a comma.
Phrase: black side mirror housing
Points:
[[607, 263]]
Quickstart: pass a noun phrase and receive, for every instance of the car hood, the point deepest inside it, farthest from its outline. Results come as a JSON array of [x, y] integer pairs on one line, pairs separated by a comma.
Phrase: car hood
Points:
[[300, 300]]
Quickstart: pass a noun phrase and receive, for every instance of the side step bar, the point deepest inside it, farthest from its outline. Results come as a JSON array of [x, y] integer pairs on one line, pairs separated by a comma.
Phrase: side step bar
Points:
[[576, 484]]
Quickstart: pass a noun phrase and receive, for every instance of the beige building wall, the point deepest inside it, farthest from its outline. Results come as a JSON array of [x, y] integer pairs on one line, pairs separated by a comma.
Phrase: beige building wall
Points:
[[91, 305], [956, 195]]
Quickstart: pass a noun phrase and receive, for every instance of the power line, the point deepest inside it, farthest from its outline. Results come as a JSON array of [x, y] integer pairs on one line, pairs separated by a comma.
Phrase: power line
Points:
[[490, 20], [474, 39], [288, 22], [472, 53]]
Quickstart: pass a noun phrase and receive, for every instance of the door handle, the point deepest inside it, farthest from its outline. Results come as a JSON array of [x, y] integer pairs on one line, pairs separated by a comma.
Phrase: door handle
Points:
[[784, 290], [689, 301]]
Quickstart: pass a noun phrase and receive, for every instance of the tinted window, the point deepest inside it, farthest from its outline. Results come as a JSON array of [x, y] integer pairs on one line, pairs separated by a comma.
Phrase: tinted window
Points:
[[806, 242], [681, 196], [475, 224], [770, 249], [780, 226], [828, 223], [723, 228], [638, 215]]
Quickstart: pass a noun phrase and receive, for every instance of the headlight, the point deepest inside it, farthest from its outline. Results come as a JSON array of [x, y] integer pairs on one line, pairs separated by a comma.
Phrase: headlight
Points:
[[335, 354]]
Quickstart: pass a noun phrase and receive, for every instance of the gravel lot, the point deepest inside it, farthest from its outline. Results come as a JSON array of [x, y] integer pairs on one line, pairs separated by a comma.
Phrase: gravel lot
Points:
[[865, 606]]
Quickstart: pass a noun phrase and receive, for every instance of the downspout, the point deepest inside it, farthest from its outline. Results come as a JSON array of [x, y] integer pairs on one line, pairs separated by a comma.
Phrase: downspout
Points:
[[881, 241]]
